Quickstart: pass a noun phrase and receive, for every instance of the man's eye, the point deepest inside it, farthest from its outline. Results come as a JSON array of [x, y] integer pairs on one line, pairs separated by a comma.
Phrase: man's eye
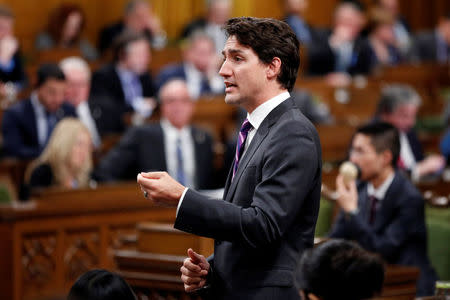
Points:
[[237, 58]]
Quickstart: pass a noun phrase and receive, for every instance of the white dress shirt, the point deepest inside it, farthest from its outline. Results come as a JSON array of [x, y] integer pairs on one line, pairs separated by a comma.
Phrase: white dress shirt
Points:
[[380, 192], [194, 81], [171, 134], [255, 118], [406, 152], [41, 119], [85, 116]]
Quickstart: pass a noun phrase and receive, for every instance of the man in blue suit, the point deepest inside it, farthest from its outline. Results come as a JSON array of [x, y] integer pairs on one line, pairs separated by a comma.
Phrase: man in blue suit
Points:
[[384, 212], [268, 213], [199, 68], [27, 126]]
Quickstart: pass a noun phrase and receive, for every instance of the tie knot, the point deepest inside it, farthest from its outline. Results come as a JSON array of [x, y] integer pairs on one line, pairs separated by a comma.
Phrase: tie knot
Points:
[[246, 126]]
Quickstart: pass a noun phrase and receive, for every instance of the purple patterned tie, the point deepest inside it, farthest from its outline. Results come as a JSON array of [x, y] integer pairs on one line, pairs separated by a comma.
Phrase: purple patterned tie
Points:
[[245, 128]]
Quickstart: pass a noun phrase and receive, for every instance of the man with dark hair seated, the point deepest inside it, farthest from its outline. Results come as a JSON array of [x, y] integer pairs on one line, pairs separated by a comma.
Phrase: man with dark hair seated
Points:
[[27, 125], [384, 212], [339, 269], [123, 86]]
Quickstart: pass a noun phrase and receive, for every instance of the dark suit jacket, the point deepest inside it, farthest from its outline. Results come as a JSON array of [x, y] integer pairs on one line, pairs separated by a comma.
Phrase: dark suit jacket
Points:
[[107, 99], [19, 127], [268, 213], [398, 233], [17, 74], [321, 57], [170, 72], [367, 60], [426, 47], [415, 145], [142, 149]]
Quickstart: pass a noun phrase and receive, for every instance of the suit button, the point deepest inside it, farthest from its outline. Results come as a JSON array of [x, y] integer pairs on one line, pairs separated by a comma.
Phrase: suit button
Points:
[[217, 243]]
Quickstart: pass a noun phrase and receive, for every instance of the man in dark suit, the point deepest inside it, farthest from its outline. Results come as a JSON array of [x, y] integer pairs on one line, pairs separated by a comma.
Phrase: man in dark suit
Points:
[[384, 212], [139, 18], [269, 210], [199, 67], [218, 12], [398, 105], [123, 87], [27, 125], [335, 51], [434, 46], [171, 145]]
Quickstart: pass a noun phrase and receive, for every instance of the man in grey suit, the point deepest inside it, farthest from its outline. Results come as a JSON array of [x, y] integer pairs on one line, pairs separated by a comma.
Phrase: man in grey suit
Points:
[[269, 210]]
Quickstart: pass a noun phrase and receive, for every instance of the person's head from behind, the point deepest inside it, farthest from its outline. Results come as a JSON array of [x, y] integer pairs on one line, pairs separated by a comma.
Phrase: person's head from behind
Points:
[[200, 51], [261, 59], [132, 52], [69, 153], [349, 20], [78, 79], [340, 269], [375, 150], [50, 86], [219, 11], [381, 26], [295, 7], [137, 14], [176, 104], [398, 105], [100, 285], [6, 21], [66, 23]]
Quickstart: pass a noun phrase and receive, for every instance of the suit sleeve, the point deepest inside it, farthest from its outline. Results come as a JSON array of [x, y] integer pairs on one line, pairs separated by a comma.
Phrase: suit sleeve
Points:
[[390, 240], [13, 144], [119, 159], [290, 166]]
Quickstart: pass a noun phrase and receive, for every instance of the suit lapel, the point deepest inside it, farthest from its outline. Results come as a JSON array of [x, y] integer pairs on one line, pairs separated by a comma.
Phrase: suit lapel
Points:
[[31, 122], [259, 137]]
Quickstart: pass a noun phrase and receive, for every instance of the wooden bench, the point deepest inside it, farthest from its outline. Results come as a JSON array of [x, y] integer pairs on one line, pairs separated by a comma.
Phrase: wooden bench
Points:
[[46, 243]]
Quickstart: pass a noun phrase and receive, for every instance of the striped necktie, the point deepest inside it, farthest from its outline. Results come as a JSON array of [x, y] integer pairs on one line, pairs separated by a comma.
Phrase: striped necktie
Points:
[[245, 128]]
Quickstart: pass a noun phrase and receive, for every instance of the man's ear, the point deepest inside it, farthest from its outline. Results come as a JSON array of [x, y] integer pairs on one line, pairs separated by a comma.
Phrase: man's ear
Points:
[[274, 68], [387, 157]]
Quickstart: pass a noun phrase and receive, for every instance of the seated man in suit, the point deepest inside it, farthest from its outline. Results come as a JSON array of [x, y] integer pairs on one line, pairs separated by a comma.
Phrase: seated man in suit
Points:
[[334, 52], [295, 17], [384, 212], [139, 18], [27, 125], [12, 75], [171, 145], [124, 87], [78, 78], [398, 106], [199, 67], [434, 46], [218, 12]]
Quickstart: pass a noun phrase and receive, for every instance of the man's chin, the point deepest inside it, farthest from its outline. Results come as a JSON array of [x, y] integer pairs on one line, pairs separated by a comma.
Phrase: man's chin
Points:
[[231, 99]]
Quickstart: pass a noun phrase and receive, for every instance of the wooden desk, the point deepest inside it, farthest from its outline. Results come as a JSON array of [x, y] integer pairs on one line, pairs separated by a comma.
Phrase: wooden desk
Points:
[[45, 244]]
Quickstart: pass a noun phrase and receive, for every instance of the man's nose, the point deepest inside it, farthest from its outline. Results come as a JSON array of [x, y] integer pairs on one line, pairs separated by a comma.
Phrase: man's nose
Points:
[[224, 70]]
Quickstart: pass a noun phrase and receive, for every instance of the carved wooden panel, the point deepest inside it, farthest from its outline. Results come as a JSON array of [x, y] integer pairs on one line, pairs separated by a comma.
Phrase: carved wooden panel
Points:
[[81, 252], [38, 261]]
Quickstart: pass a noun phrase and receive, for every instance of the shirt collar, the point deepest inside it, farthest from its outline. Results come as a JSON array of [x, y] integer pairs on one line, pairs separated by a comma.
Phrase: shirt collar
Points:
[[260, 113], [37, 105], [380, 192], [125, 74], [169, 128]]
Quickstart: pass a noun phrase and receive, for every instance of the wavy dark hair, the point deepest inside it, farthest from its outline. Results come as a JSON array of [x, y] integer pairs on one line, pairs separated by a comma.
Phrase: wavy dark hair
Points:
[[58, 19], [269, 38]]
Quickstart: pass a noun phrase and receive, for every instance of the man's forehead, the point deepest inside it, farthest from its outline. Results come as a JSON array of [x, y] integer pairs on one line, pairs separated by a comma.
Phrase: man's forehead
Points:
[[233, 46]]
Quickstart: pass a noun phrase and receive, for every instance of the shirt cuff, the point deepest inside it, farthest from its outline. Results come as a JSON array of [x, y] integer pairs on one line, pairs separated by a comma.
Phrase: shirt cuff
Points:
[[181, 200]]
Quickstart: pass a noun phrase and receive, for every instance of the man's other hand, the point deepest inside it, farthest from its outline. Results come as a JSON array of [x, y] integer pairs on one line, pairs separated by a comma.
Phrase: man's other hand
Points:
[[194, 270]]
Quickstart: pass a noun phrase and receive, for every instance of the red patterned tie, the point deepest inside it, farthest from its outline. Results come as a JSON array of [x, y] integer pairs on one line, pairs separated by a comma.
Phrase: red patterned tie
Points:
[[245, 128]]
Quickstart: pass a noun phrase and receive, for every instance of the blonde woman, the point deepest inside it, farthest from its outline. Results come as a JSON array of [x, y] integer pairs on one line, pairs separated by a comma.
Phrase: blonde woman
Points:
[[67, 159]]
